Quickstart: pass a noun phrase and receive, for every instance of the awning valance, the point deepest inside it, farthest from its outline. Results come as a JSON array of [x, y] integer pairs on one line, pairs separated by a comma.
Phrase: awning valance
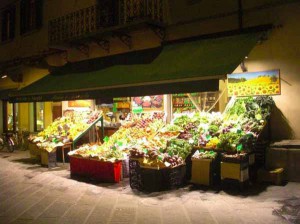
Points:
[[175, 67]]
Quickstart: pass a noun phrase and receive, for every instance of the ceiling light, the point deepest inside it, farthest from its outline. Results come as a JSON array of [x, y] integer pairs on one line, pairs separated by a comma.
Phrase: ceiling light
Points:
[[3, 76], [246, 57]]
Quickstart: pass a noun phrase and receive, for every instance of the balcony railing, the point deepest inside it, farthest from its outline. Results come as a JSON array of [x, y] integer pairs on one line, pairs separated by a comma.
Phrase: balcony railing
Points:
[[107, 14]]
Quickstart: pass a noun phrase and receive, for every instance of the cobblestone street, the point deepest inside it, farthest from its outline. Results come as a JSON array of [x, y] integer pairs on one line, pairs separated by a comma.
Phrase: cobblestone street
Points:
[[33, 194]]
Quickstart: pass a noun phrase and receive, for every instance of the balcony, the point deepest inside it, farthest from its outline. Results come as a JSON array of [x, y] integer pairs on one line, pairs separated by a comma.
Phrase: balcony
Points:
[[105, 18]]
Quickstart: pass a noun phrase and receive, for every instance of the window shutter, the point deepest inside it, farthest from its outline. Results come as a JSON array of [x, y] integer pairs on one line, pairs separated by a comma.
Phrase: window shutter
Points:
[[39, 13], [23, 16], [12, 23], [3, 27]]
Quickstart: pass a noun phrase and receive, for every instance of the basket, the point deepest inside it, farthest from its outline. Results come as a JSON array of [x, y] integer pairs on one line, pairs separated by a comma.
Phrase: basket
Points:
[[152, 180]]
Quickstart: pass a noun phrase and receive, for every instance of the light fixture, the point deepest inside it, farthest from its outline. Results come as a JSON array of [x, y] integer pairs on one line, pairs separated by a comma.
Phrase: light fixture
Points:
[[243, 66], [246, 57], [3, 76]]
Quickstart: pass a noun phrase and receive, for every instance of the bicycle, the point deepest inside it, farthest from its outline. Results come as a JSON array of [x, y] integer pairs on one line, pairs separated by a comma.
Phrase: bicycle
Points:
[[7, 141], [19, 139]]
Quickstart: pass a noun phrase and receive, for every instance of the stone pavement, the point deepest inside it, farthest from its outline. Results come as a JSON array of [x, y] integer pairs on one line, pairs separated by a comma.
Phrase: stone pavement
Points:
[[33, 194]]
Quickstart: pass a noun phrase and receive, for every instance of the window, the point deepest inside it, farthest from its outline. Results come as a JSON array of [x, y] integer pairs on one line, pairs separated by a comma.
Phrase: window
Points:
[[8, 20], [191, 2], [31, 15], [39, 108], [10, 116]]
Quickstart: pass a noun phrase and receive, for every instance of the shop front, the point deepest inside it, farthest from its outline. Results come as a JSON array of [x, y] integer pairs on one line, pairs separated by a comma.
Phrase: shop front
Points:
[[158, 114]]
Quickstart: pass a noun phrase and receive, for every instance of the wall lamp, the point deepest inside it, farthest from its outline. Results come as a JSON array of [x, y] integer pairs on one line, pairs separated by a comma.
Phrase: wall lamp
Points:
[[243, 66]]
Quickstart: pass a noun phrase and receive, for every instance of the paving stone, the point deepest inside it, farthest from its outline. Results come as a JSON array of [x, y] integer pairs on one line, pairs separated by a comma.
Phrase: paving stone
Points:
[[123, 215], [198, 212], [21, 207], [76, 214], [37, 209], [102, 210], [174, 214], [148, 214], [22, 221], [43, 220], [6, 219], [88, 199], [99, 215], [124, 199], [39, 195], [56, 210]]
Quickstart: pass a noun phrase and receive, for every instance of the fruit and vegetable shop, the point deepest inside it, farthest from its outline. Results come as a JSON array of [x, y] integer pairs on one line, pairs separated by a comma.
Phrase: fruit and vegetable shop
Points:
[[194, 123]]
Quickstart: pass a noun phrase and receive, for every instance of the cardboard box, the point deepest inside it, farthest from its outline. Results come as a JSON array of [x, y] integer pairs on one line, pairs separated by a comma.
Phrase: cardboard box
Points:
[[235, 171], [48, 159], [202, 172]]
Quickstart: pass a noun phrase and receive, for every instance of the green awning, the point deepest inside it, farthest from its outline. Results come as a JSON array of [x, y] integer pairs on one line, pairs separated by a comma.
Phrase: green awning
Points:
[[5, 93], [177, 67]]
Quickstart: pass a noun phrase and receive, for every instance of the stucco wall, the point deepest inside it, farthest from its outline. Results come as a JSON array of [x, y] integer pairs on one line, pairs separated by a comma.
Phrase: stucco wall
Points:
[[282, 51], [37, 41]]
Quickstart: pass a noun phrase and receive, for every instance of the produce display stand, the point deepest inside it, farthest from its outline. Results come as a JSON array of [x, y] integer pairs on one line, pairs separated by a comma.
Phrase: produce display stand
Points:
[[95, 170], [59, 153], [87, 129], [153, 179], [48, 158], [62, 151], [35, 152]]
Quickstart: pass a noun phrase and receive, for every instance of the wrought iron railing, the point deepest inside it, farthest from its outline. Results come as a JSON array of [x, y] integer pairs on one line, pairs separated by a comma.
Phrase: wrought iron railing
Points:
[[97, 17]]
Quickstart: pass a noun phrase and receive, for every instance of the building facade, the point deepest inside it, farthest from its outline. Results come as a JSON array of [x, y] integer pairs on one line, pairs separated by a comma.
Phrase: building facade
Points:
[[38, 35]]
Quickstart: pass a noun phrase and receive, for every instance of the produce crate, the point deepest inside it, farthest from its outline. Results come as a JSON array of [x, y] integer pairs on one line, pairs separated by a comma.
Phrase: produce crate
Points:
[[35, 152], [48, 158], [243, 159], [235, 171], [251, 159], [188, 164], [151, 180], [202, 171], [95, 170], [79, 167], [272, 176], [105, 171]]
